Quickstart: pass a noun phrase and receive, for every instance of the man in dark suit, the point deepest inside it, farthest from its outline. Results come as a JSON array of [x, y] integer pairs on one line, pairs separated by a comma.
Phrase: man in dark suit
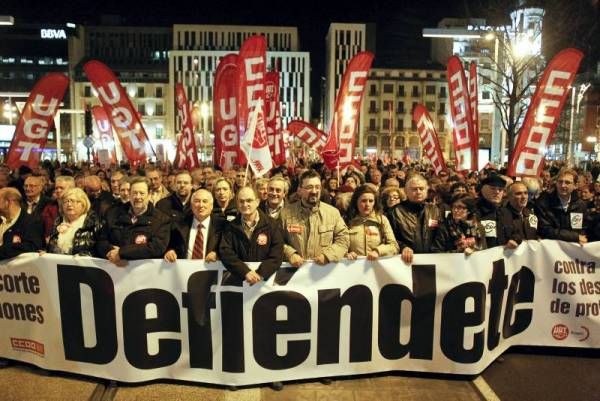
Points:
[[19, 231], [198, 234]]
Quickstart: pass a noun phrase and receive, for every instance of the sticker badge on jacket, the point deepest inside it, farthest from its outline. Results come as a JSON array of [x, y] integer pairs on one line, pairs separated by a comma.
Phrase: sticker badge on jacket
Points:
[[16, 239], [533, 221], [490, 228], [262, 239], [372, 230], [140, 239], [576, 221], [433, 223], [294, 228]]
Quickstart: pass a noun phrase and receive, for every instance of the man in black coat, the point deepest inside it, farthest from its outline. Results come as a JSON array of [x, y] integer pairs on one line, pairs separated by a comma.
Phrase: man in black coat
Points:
[[488, 208], [135, 230], [101, 200], [196, 235], [517, 219], [177, 205], [19, 231], [562, 215], [251, 237]]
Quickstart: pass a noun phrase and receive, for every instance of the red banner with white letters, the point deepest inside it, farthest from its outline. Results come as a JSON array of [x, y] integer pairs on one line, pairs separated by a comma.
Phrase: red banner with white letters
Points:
[[312, 137], [105, 130], [429, 138], [341, 139], [188, 156], [543, 114], [251, 62], [273, 118], [227, 137], [474, 100], [123, 115], [37, 118], [460, 107]]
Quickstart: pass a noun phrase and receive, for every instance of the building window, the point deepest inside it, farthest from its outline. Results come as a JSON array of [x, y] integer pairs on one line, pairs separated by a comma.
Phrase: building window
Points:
[[386, 124], [373, 90], [443, 92], [400, 126], [159, 132], [373, 106], [385, 141], [415, 91], [430, 106], [413, 125], [484, 124], [401, 108], [442, 109], [388, 88], [441, 125], [372, 125], [87, 91], [387, 105], [372, 141], [142, 109], [159, 91], [159, 110], [140, 91], [430, 90], [485, 95], [401, 90]]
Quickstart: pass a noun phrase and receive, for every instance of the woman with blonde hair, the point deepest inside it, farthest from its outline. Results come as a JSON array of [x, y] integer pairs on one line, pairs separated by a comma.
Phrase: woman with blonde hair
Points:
[[371, 234], [76, 230]]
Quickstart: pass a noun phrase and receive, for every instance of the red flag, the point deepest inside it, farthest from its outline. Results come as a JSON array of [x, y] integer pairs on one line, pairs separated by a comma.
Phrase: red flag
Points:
[[347, 111], [105, 129], [188, 158], [429, 138], [227, 138], [273, 118], [543, 114], [251, 82], [312, 137], [37, 118], [461, 115], [123, 115], [474, 100]]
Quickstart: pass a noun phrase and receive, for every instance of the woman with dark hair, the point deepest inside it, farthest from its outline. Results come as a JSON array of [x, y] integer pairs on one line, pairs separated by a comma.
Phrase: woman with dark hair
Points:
[[460, 231], [371, 234]]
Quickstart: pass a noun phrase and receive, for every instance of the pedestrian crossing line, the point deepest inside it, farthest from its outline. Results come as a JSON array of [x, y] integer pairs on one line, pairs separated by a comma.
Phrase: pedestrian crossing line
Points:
[[484, 389]]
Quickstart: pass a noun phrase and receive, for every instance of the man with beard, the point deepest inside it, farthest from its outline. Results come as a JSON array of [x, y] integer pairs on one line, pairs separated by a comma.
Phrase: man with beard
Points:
[[177, 205], [136, 230], [197, 234], [561, 213], [517, 220], [414, 221], [313, 229]]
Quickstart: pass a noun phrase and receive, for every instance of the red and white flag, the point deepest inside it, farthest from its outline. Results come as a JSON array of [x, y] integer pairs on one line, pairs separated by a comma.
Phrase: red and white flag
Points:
[[123, 116], [312, 137], [344, 129], [474, 99], [429, 138], [251, 81], [255, 144], [543, 114], [188, 156], [273, 118], [460, 107], [227, 135], [107, 141], [37, 118]]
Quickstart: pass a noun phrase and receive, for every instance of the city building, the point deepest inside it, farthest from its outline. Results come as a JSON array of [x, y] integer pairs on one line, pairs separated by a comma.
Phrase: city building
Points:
[[139, 58], [391, 94], [494, 49], [197, 50], [28, 51]]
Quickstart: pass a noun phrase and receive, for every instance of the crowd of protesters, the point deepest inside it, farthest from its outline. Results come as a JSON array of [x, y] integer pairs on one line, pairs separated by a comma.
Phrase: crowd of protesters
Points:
[[294, 215]]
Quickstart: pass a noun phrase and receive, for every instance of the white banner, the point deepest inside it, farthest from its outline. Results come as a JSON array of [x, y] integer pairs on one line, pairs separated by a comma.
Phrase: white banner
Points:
[[445, 313]]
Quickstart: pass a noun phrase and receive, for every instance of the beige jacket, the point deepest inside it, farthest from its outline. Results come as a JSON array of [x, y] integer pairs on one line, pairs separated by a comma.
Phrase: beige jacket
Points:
[[373, 232], [311, 232]]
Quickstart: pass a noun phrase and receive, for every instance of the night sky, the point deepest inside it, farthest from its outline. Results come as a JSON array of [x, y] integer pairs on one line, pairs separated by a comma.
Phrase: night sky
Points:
[[399, 22]]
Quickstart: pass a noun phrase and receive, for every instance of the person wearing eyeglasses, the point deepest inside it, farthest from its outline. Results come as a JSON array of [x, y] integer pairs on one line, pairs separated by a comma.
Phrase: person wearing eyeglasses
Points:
[[460, 230], [562, 215], [75, 231], [313, 229]]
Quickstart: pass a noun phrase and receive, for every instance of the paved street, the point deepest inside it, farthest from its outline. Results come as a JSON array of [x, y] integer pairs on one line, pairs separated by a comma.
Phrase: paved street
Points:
[[522, 376]]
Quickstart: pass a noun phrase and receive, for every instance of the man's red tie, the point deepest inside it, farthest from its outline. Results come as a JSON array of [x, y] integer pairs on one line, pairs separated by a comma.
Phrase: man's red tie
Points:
[[198, 251]]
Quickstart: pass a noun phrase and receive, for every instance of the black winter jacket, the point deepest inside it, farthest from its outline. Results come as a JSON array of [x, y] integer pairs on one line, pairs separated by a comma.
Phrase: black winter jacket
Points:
[[556, 223], [265, 245], [415, 225], [84, 241]]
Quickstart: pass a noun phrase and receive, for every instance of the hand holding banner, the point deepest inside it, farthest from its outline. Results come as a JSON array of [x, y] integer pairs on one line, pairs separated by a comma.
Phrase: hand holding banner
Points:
[[37, 118]]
